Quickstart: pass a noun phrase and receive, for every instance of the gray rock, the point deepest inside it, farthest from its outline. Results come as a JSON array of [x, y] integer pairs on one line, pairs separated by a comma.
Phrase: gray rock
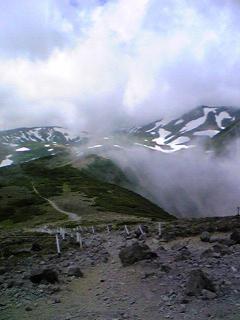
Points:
[[205, 236], [74, 271], [134, 253], [48, 275], [235, 236], [198, 281]]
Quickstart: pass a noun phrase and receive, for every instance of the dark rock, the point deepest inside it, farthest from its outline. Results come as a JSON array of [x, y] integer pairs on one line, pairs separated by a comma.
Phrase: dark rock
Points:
[[184, 254], [75, 271], [208, 253], [235, 236], [36, 247], [47, 275], [198, 281], [2, 270], [221, 249], [136, 252], [205, 236], [165, 268], [28, 308], [208, 295]]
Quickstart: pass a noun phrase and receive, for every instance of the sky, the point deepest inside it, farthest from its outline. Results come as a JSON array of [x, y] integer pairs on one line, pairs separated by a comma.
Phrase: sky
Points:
[[78, 63]]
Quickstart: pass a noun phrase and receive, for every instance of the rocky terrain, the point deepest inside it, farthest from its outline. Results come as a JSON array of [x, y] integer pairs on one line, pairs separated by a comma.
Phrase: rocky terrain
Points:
[[189, 272]]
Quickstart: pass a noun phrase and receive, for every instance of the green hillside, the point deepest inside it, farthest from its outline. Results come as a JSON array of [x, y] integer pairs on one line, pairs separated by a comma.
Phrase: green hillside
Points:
[[71, 189]]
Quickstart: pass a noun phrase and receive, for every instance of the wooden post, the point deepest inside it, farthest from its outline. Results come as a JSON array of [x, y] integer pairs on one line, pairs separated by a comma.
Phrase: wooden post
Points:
[[58, 245]]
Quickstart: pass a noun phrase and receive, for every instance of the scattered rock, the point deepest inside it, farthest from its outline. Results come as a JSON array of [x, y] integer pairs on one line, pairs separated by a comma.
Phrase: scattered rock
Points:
[[36, 247], [198, 281], [74, 271], [208, 295], [222, 249], [135, 252], [28, 308], [47, 275], [235, 236], [205, 236], [184, 254]]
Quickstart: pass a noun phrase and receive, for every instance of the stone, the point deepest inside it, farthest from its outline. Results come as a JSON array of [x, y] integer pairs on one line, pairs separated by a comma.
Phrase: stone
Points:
[[28, 308], [36, 247], [74, 271], [205, 236], [184, 254], [221, 249], [134, 253], [208, 295], [2, 270], [198, 281], [235, 236], [48, 275]]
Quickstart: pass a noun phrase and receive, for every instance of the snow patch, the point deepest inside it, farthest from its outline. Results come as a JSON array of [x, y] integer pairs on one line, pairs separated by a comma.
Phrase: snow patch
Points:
[[23, 149], [209, 133], [6, 161], [96, 146], [222, 116]]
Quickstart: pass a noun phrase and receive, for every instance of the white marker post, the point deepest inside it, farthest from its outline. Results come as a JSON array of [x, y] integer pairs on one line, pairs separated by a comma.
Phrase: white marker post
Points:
[[141, 230], [93, 230], [159, 229], [126, 229], [79, 240], [58, 245], [63, 233], [108, 230]]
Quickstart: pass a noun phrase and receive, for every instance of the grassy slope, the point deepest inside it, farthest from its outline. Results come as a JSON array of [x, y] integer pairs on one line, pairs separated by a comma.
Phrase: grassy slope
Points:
[[19, 203]]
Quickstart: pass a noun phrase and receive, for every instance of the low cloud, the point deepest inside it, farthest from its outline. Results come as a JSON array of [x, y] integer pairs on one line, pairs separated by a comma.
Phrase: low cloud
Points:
[[192, 183]]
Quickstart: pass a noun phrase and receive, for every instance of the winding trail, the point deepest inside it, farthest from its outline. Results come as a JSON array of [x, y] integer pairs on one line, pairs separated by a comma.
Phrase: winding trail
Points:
[[72, 216]]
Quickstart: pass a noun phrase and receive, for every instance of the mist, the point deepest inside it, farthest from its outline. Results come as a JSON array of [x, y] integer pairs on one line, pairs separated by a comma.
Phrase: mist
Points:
[[189, 183], [77, 63]]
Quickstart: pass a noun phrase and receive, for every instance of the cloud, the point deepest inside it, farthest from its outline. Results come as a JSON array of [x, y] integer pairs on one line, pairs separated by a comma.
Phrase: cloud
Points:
[[76, 62], [192, 183]]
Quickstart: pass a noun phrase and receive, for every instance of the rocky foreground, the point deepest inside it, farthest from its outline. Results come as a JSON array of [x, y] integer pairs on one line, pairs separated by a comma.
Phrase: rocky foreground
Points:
[[191, 271]]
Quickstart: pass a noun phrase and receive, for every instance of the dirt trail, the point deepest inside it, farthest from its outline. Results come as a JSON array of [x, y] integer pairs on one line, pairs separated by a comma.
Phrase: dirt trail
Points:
[[72, 216]]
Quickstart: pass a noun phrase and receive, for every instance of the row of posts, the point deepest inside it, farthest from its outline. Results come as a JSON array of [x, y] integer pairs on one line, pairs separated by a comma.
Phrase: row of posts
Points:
[[78, 230]]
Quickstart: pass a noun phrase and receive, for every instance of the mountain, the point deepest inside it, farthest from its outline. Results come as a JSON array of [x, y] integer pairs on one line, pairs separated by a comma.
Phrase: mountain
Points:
[[228, 139], [197, 126], [25, 144]]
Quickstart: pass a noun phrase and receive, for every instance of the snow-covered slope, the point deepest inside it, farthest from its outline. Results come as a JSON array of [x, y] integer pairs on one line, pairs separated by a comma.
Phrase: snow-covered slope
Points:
[[198, 125], [25, 144], [201, 125]]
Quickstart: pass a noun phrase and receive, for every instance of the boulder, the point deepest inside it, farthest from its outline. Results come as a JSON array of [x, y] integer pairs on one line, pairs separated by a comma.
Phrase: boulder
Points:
[[36, 247], [221, 249], [235, 236], [198, 281], [183, 254], [205, 236], [47, 275], [135, 252], [74, 271]]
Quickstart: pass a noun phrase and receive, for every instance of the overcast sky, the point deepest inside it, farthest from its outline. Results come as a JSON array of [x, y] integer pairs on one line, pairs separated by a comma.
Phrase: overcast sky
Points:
[[78, 63]]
